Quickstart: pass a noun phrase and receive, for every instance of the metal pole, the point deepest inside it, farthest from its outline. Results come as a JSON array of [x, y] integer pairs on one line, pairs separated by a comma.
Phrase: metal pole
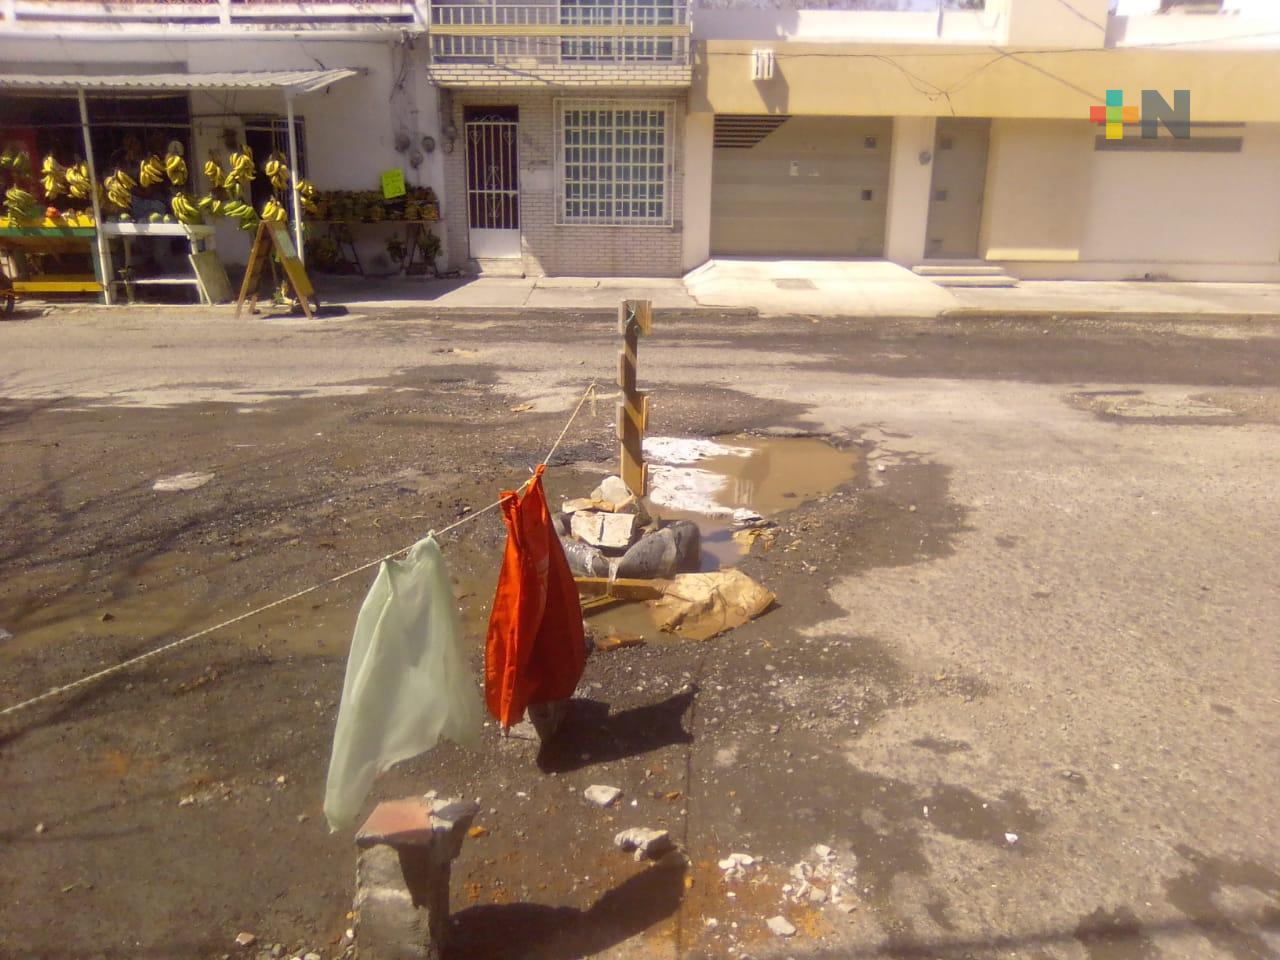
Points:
[[293, 176], [104, 245]]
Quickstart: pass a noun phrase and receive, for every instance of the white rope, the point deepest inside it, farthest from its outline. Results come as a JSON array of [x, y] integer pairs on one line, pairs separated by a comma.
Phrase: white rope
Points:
[[117, 668]]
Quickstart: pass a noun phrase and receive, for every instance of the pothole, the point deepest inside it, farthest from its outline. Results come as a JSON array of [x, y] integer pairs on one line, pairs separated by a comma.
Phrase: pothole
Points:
[[1152, 406]]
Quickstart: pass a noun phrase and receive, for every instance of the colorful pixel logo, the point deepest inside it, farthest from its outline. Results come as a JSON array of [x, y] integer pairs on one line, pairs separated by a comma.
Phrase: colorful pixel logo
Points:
[[1114, 115], [1155, 111]]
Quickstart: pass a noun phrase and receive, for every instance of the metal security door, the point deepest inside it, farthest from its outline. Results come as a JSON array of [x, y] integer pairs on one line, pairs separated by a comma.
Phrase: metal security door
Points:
[[493, 177], [959, 179]]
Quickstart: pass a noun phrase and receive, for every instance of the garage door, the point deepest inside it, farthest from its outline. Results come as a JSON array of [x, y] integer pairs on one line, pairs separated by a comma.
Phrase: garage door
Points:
[[800, 186]]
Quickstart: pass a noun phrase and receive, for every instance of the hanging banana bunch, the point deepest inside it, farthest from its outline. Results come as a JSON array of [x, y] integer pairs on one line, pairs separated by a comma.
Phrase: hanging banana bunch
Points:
[[185, 209], [277, 170], [19, 204], [307, 196], [16, 160], [242, 168], [213, 171], [78, 183], [272, 210], [210, 205], [120, 190], [150, 172], [174, 165], [53, 177], [239, 210]]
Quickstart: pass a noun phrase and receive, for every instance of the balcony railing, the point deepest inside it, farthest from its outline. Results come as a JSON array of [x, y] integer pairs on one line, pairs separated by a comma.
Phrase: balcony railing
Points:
[[264, 14], [651, 32]]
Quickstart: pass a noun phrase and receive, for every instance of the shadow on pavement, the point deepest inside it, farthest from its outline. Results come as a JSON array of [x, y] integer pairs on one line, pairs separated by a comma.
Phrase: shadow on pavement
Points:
[[591, 735], [524, 931]]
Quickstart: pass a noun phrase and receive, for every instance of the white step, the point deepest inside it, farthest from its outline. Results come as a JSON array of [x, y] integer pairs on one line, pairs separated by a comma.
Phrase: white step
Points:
[[958, 270], [500, 267], [979, 281]]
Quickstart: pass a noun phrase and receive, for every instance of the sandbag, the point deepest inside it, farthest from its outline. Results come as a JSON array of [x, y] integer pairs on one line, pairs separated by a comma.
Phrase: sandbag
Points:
[[407, 684], [676, 547]]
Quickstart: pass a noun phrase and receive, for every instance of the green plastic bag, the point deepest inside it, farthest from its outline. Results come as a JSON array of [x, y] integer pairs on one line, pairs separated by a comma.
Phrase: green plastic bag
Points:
[[408, 684]]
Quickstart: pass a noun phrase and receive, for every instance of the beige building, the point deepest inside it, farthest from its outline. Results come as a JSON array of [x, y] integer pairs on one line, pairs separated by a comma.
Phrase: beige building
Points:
[[648, 136]]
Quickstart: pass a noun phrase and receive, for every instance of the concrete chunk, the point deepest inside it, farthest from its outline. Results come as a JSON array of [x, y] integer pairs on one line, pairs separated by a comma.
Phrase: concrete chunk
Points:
[[648, 844], [601, 795], [781, 927]]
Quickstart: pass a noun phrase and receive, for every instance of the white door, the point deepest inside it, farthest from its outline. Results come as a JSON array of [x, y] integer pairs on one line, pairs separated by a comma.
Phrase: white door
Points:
[[493, 177]]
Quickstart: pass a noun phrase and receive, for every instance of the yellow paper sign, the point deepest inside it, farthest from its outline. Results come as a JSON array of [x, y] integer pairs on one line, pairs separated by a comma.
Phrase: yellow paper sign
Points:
[[392, 184]]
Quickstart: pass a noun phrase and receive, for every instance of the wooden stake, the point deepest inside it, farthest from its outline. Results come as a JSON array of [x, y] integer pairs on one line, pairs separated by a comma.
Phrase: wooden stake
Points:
[[635, 318]]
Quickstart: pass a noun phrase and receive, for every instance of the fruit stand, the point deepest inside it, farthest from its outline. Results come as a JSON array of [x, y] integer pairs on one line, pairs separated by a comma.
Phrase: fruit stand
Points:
[[340, 212], [150, 192]]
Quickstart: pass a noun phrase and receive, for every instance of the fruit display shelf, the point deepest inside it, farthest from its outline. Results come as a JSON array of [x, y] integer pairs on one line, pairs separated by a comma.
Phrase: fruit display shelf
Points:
[[20, 240], [133, 229]]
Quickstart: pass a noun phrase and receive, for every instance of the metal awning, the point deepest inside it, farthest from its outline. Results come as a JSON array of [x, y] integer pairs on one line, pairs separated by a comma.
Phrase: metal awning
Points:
[[288, 82], [292, 82]]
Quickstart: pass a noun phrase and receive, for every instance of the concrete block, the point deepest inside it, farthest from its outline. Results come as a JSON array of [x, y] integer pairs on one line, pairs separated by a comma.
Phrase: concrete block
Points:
[[407, 848]]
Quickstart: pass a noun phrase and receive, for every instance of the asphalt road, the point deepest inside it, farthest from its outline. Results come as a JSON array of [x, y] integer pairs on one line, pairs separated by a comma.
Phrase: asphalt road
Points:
[[1022, 677]]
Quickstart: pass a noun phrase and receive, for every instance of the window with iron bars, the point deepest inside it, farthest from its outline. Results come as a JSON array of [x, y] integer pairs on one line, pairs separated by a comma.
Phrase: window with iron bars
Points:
[[613, 163], [599, 13]]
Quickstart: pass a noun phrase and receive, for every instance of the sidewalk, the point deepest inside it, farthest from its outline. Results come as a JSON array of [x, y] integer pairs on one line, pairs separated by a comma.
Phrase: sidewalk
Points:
[[857, 288]]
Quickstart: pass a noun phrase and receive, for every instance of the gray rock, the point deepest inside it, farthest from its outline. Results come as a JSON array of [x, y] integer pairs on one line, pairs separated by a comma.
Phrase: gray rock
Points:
[[648, 844], [601, 795], [781, 927], [612, 490]]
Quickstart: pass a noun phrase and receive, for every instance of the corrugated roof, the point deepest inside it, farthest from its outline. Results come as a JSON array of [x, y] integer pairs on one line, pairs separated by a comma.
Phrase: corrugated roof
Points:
[[294, 81]]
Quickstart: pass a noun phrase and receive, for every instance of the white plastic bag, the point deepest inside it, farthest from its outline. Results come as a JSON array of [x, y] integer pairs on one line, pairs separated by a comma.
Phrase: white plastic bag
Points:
[[408, 684]]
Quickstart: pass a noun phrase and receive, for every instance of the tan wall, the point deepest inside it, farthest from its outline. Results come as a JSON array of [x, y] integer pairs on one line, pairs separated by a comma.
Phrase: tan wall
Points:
[[909, 183], [1054, 23], [699, 135], [548, 249], [1188, 207], [885, 80], [1052, 198]]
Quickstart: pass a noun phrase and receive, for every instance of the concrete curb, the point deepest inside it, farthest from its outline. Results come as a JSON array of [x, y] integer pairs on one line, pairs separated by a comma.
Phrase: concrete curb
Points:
[[980, 313]]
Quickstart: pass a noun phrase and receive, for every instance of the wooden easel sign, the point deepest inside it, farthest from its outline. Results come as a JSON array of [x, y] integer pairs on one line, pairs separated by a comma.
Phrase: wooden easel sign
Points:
[[275, 235]]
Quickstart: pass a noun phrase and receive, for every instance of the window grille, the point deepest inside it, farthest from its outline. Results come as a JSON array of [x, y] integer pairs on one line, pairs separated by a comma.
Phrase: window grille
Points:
[[613, 162]]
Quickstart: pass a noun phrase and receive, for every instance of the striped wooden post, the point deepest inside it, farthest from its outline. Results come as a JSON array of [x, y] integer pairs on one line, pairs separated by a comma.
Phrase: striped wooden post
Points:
[[635, 318]]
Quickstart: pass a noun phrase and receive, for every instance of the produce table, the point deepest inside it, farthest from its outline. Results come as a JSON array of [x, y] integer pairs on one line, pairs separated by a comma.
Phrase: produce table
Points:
[[339, 232], [50, 239], [200, 237]]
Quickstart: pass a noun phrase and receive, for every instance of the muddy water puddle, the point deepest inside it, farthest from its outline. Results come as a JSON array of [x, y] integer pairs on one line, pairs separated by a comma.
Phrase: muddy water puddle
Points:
[[706, 481]]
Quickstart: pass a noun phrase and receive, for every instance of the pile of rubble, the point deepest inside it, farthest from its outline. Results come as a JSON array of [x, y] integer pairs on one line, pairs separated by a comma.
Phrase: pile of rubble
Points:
[[823, 879], [612, 534]]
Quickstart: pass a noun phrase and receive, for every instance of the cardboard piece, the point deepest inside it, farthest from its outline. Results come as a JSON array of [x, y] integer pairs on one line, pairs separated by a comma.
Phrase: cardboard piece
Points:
[[211, 274], [700, 606]]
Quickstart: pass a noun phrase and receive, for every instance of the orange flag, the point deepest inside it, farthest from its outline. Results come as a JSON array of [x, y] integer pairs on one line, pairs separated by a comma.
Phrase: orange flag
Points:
[[535, 650]]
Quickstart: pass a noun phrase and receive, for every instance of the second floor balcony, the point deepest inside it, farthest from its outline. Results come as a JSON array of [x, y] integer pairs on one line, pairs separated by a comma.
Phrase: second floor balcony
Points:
[[560, 43]]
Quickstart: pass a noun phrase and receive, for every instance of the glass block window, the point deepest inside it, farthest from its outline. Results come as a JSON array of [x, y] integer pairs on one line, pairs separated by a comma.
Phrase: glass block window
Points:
[[614, 162]]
